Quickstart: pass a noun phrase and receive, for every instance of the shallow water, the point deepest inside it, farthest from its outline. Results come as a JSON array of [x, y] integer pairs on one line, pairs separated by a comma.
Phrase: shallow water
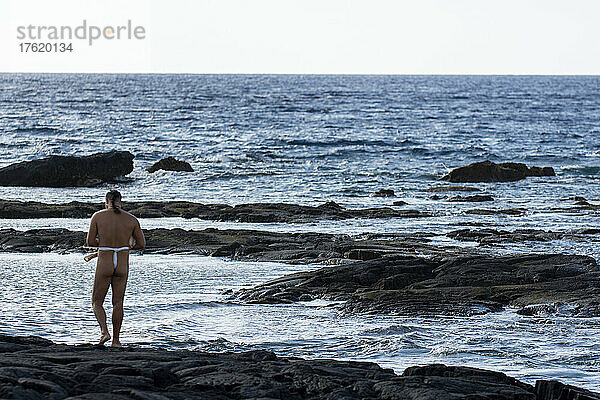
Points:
[[178, 302]]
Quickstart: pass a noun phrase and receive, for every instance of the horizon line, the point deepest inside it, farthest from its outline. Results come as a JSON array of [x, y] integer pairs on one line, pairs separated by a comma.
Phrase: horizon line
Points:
[[299, 73]]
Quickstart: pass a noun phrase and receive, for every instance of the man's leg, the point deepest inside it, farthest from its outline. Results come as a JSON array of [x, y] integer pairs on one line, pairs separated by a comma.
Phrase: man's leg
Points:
[[101, 284], [119, 283]]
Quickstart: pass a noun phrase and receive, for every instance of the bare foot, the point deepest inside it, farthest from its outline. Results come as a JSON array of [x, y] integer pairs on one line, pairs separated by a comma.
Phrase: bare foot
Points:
[[116, 343], [104, 338]]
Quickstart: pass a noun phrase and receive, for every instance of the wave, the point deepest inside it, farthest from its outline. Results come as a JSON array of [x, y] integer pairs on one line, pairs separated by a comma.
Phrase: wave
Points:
[[38, 130], [191, 305], [236, 175], [347, 142], [581, 171]]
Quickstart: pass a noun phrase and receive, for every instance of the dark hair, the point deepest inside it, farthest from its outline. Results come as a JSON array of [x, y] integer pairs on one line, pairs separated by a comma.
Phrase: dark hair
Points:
[[113, 196]]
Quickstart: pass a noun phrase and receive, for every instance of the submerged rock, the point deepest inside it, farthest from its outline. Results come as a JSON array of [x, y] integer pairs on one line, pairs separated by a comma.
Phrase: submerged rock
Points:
[[575, 198], [67, 171], [488, 171], [505, 211], [477, 198], [538, 309], [170, 164], [438, 189], [383, 193]]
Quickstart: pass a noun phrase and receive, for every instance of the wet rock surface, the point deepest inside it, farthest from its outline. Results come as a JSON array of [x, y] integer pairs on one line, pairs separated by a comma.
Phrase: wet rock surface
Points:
[[477, 198], [170, 164], [243, 244], [68, 171], [497, 211], [438, 189], [35, 368], [457, 285], [488, 171], [256, 212], [383, 193], [490, 236], [554, 390]]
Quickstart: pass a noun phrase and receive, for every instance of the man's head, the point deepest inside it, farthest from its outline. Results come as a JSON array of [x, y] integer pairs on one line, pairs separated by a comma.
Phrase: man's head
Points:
[[113, 200]]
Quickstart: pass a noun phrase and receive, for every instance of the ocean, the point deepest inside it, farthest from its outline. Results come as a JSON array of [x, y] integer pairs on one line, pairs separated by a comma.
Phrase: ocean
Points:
[[307, 140]]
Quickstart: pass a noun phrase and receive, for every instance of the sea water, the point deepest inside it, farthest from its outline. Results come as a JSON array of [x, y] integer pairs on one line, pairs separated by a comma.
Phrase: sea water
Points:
[[307, 140]]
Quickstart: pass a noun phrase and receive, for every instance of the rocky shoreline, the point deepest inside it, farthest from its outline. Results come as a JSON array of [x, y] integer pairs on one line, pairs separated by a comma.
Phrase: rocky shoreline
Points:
[[256, 212], [35, 368], [239, 244], [399, 274], [451, 285], [268, 212]]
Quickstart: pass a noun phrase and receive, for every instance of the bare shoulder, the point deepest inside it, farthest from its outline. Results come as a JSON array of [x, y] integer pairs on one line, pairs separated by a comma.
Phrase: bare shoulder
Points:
[[130, 216], [98, 214]]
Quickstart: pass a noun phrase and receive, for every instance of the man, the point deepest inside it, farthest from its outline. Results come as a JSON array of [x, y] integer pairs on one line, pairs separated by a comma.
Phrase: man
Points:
[[114, 232]]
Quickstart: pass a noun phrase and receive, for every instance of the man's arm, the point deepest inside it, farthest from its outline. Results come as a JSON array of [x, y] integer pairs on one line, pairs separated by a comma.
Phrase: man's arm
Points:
[[92, 239], [138, 236]]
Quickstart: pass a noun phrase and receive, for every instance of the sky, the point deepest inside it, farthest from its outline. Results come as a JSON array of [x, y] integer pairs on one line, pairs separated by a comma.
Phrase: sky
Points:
[[311, 36]]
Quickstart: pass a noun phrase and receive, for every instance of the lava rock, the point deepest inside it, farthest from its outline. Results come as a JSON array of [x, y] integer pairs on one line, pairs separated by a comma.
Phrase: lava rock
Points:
[[57, 371], [68, 171], [505, 211], [257, 212], [383, 193], [472, 199], [488, 171], [538, 309], [243, 244], [554, 390], [170, 164], [490, 236], [468, 284], [438, 189]]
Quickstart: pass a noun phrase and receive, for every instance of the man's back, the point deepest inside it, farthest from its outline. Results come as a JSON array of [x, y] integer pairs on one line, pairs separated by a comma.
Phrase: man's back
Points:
[[111, 231], [114, 229]]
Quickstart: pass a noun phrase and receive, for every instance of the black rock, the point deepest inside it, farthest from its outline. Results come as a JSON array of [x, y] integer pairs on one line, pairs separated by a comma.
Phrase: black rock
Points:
[[505, 211], [44, 370], [383, 193], [472, 199], [553, 390], [494, 236], [488, 171], [438, 189], [171, 164], [257, 212], [474, 284], [68, 171]]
